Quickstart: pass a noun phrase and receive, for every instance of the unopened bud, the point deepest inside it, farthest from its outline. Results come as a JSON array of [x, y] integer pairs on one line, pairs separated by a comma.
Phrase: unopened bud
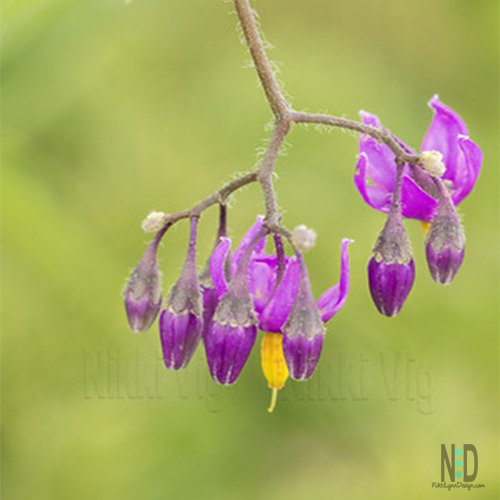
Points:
[[181, 322], [142, 295], [445, 244], [391, 270], [303, 332]]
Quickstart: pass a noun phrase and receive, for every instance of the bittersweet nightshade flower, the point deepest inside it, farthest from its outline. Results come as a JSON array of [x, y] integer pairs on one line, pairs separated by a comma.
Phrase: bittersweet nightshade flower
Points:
[[181, 321], [445, 242], [293, 312], [375, 173], [274, 285], [142, 295]]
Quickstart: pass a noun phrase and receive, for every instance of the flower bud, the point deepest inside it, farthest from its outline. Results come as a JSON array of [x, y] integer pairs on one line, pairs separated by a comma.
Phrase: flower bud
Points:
[[391, 270], [303, 331], [142, 295], [445, 244], [181, 321], [231, 335]]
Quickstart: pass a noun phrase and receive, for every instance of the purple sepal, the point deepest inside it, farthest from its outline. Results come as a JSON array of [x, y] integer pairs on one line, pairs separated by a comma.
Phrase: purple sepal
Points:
[[228, 348], [444, 265], [390, 284], [302, 355], [180, 336]]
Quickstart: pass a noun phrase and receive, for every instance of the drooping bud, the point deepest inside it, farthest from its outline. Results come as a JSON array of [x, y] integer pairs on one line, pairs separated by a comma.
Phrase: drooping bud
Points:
[[181, 321], [208, 290], [391, 270], [142, 295], [445, 243], [303, 331], [231, 336]]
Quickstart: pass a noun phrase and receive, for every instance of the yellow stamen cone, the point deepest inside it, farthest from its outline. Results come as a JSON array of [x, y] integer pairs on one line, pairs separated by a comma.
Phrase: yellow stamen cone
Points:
[[273, 364], [425, 226]]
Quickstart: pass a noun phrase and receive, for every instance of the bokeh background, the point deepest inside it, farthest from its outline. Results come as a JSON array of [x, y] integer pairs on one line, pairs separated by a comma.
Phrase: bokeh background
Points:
[[112, 109]]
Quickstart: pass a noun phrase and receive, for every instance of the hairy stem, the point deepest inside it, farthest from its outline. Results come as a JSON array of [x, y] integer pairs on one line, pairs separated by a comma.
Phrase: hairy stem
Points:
[[285, 117], [278, 103]]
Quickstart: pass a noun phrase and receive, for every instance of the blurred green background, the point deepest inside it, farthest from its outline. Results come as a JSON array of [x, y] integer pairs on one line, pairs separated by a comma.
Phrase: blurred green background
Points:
[[112, 109]]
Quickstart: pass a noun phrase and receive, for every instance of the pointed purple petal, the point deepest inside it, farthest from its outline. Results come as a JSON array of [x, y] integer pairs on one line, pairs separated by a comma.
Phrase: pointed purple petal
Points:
[[252, 232], [473, 161], [278, 308], [262, 280], [218, 265], [381, 159], [332, 301], [442, 136], [377, 197], [416, 203]]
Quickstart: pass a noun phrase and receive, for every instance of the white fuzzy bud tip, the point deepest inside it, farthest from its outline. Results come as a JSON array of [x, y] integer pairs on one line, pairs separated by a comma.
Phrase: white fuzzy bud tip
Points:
[[432, 163], [154, 222], [303, 238]]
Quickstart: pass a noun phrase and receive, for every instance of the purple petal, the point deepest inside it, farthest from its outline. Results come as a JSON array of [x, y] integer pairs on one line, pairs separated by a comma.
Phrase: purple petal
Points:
[[180, 336], [210, 302], [218, 265], [416, 203], [332, 301], [262, 280], [227, 348], [442, 136], [278, 308], [390, 284], [377, 197], [381, 159], [252, 232], [444, 265], [473, 159], [302, 355]]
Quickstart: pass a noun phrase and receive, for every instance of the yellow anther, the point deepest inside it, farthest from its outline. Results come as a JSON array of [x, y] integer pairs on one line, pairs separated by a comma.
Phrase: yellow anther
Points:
[[273, 364], [425, 226]]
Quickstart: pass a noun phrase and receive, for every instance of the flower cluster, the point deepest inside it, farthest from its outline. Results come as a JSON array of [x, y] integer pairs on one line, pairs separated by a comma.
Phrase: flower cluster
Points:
[[235, 297], [248, 290], [449, 166]]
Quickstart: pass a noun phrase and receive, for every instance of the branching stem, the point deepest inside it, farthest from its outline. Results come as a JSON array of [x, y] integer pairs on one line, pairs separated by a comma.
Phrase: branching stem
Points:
[[285, 117]]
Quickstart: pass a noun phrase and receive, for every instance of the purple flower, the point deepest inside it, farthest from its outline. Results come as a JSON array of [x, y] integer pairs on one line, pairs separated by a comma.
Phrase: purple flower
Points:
[[181, 322], [142, 295], [375, 173], [277, 299]]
